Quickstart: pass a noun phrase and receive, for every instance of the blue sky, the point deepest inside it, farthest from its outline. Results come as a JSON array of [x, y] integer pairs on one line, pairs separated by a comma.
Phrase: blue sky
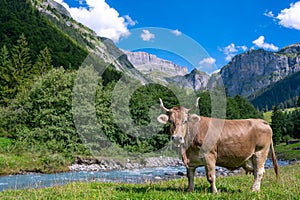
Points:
[[222, 28]]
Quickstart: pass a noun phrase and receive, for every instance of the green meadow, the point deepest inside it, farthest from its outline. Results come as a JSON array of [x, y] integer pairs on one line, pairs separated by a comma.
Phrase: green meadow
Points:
[[233, 187]]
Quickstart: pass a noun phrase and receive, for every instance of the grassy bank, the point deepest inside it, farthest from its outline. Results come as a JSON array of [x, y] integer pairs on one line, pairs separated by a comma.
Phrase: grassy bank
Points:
[[18, 158], [43, 162], [235, 187], [287, 152], [30, 162]]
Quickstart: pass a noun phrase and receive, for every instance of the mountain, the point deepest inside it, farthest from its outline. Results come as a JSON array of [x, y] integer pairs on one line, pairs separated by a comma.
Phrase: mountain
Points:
[[154, 67], [252, 72], [21, 17], [47, 23], [104, 48], [196, 80], [265, 78]]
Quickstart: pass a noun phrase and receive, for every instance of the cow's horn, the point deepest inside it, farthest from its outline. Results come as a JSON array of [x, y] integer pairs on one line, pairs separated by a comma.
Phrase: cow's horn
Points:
[[162, 106], [195, 105]]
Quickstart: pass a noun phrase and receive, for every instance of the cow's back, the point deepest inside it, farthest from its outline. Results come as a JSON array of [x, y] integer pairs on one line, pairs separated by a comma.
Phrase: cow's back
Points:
[[237, 141]]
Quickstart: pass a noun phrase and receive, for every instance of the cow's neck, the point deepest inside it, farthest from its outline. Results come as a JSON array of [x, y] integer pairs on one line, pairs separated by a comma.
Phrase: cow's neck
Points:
[[196, 133]]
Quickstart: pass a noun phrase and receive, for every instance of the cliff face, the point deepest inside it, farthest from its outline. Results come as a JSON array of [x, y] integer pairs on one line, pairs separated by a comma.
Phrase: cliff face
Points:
[[255, 70], [150, 64], [195, 80], [247, 74]]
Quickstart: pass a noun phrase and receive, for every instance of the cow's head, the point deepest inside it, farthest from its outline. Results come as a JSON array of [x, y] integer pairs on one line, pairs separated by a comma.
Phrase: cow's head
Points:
[[179, 119]]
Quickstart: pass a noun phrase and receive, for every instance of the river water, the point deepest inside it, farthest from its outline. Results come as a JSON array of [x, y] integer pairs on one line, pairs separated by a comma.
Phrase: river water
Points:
[[16, 182]]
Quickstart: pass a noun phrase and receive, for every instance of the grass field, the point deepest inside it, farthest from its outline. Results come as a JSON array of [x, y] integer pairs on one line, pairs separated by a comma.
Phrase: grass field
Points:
[[268, 115], [234, 187], [286, 152]]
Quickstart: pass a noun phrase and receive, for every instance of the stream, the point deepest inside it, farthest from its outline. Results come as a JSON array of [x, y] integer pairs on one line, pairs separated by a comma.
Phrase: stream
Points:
[[35, 180]]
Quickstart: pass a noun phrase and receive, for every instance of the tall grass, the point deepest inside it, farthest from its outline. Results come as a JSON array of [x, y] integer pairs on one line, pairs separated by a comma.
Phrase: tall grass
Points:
[[234, 187]]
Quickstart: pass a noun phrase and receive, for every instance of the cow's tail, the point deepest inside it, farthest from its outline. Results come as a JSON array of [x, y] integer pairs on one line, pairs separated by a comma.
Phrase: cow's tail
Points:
[[274, 160]]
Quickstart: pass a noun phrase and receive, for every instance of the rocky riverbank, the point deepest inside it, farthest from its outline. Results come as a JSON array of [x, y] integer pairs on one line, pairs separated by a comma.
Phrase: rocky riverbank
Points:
[[93, 164]]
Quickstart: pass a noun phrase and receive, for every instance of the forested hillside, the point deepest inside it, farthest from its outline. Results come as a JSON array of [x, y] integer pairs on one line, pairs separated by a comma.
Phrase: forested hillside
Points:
[[284, 94], [20, 17]]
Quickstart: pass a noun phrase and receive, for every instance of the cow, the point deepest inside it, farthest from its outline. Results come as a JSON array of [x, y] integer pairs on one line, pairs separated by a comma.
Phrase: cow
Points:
[[212, 142]]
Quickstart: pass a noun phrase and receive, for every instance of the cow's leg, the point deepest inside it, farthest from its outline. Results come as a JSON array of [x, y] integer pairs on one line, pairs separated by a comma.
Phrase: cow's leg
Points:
[[248, 166], [185, 160], [259, 159], [210, 168], [190, 175]]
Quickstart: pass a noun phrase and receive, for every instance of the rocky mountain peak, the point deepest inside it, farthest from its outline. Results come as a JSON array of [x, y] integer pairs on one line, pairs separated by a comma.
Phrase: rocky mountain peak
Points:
[[255, 70], [150, 64], [291, 49]]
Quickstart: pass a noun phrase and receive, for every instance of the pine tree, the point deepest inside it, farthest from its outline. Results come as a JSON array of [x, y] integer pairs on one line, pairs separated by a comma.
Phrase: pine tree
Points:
[[7, 79], [296, 120], [277, 124], [21, 62], [43, 62]]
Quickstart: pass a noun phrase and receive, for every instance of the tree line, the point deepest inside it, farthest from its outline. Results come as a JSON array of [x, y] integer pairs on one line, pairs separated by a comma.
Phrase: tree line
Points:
[[285, 123]]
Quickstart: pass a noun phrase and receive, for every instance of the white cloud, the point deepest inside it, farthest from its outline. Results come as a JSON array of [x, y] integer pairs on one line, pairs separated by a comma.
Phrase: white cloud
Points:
[[130, 21], [101, 18], [207, 61], [206, 64], [231, 50], [147, 35], [269, 14], [260, 42], [288, 17], [176, 32]]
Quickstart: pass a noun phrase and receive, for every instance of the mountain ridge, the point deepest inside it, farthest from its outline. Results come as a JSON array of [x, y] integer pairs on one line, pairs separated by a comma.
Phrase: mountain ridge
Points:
[[147, 63], [103, 48], [248, 74], [257, 69]]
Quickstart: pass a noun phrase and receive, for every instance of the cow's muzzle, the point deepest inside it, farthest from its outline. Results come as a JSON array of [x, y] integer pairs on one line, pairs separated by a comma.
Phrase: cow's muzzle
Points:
[[177, 139]]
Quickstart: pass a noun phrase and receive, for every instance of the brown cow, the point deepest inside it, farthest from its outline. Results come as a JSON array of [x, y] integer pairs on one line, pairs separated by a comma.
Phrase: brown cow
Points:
[[227, 143]]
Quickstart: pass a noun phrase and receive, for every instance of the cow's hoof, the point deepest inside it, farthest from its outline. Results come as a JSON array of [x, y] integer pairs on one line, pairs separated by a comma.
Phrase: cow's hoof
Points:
[[190, 190], [214, 190], [255, 189]]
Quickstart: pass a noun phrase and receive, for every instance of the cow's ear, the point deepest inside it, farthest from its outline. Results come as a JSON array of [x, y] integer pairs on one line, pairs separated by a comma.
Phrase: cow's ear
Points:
[[163, 118], [194, 118]]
